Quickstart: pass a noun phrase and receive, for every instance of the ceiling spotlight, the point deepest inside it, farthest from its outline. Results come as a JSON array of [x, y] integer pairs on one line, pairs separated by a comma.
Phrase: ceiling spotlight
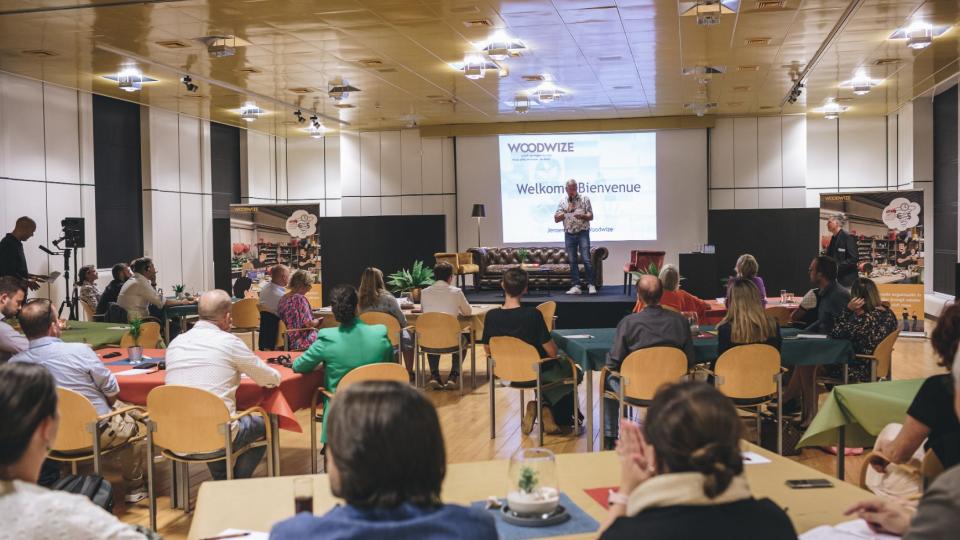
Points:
[[250, 112], [188, 84], [547, 92], [521, 103], [129, 79], [861, 83], [299, 115], [500, 46], [831, 109], [222, 46], [316, 129], [339, 89], [795, 94]]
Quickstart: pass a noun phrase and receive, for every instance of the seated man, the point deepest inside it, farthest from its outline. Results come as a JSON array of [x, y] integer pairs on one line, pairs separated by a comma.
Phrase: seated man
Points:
[[652, 327], [270, 295], [674, 296], [209, 357], [76, 367], [121, 273], [139, 293], [527, 325], [443, 297], [387, 462], [12, 293]]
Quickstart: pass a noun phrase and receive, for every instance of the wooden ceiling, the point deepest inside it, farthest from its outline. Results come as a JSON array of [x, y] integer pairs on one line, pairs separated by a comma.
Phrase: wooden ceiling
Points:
[[612, 59]]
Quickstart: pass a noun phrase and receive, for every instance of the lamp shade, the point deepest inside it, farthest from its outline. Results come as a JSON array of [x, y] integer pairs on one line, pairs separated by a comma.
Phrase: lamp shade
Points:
[[479, 211]]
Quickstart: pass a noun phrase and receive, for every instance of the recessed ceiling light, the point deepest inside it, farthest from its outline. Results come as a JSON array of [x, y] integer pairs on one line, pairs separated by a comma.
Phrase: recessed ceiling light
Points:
[[475, 66], [547, 92], [831, 109], [250, 112], [500, 46], [129, 79]]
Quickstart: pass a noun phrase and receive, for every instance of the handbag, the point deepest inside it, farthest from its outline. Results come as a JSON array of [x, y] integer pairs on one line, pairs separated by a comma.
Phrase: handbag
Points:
[[791, 435], [95, 488]]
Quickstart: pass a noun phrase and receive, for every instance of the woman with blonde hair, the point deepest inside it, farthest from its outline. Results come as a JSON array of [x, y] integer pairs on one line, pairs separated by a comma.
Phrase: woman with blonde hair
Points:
[[374, 296], [748, 268], [746, 322]]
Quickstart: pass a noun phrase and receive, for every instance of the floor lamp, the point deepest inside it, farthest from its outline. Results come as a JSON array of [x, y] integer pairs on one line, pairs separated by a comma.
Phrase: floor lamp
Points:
[[478, 212]]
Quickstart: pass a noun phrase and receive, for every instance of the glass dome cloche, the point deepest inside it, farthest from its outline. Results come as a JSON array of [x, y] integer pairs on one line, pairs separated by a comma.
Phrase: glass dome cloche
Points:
[[533, 485]]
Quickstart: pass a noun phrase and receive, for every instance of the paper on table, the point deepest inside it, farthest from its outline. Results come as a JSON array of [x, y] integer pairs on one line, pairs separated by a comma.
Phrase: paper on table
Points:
[[134, 371], [811, 336], [247, 535], [579, 336], [753, 458], [118, 328], [848, 530]]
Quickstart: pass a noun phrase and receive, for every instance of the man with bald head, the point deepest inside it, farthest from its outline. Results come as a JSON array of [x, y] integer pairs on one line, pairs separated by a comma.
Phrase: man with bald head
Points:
[[12, 260], [209, 357], [654, 326]]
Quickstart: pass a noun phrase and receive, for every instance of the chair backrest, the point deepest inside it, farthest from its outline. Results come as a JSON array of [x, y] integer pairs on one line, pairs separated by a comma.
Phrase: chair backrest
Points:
[[380, 371], [281, 336], [117, 314], [438, 331], [88, 311], [748, 371], [781, 313], [513, 359], [646, 370], [246, 313], [187, 419], [149, 336], [464, 257], [548, 309], [884, 354], [76, 415], [392, 324], [452, 258]]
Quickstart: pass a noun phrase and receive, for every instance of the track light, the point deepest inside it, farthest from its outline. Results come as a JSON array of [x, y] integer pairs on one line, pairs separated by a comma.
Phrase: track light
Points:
[[299, 115], [188, 84], [316, 128], [250, 112]]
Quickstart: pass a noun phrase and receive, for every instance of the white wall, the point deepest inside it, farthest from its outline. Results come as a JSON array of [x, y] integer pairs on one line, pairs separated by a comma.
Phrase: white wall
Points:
[[681, 197], [46, 169]]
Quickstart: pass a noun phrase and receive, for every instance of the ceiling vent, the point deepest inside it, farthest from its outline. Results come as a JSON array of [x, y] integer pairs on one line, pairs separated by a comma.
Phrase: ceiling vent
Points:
[[370, 62], [770, 4], [478, 23], [38, 53], [248, 70], [533, 78], [886, 61], [387, 70], [173, 44], [465, 9], [609, 58], [303, 90], [748, 68], [734, 103], [757, 42], [344, 105], [622, 87], [704, 70], [741, 88]]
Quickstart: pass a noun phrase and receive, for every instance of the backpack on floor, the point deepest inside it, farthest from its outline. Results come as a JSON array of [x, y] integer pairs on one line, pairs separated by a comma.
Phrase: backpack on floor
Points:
[[95, 488]]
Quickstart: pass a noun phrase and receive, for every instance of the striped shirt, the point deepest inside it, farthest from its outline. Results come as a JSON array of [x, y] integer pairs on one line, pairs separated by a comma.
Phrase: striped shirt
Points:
[[75, 367]]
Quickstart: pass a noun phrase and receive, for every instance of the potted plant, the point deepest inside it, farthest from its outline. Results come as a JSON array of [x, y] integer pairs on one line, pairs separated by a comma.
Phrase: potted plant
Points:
[[410, 281], [135, 351], [523, 254], [533, 488], [178, 290]]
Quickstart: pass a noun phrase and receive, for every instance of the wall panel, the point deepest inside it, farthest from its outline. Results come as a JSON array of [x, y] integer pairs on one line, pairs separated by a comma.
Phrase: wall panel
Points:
[[369, 163], [769, 153], [745, 152], [391, 165]]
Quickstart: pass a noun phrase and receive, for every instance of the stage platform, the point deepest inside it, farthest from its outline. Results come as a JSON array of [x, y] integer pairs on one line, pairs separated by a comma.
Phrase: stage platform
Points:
[[602, 310]]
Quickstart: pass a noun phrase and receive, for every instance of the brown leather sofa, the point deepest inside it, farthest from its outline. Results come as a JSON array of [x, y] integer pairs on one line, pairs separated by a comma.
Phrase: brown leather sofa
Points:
[[494, 261]]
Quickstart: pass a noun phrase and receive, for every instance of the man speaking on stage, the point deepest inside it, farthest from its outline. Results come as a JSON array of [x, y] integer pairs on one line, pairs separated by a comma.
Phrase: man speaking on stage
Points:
[[576, 213]]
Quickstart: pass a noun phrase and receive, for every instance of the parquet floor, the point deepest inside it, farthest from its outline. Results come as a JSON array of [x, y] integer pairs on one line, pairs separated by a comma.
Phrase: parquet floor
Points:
[[466, 433]]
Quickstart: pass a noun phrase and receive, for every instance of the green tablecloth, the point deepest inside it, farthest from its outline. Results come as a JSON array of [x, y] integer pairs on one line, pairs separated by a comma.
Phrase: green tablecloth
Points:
[[590, 353], [863, 410], [96, 334]]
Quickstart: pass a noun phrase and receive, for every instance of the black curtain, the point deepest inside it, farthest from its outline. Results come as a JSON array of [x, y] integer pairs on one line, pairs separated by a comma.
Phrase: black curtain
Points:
[[945, 191], [225, 180]]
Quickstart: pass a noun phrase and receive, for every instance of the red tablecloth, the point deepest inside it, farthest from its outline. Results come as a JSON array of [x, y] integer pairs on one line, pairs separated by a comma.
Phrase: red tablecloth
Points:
[[717, 310], [294, 393]]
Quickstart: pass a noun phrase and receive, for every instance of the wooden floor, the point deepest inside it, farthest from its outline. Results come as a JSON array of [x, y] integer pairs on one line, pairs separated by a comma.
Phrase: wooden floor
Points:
[[465, 422]]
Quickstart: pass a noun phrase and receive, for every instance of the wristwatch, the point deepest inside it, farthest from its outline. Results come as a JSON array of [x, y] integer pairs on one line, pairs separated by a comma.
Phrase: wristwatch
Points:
[[615, 497]]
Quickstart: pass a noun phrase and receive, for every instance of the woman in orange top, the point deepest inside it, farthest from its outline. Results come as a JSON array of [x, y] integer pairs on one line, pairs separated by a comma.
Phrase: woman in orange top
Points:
[[674, 296]]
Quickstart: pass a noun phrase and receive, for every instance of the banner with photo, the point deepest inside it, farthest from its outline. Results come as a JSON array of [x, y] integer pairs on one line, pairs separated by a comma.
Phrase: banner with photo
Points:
[[263, 235], [888, 229]]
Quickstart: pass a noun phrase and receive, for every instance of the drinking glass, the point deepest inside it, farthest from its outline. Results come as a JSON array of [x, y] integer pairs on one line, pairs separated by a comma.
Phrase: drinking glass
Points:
[[303, 494], [694, 321], [783, 296]]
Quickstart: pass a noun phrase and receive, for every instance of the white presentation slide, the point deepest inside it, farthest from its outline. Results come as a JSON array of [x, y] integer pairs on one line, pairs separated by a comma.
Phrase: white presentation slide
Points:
[[617, 171]]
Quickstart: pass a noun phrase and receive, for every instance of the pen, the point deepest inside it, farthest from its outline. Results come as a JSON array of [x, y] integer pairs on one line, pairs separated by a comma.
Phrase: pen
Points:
[[225, 536]]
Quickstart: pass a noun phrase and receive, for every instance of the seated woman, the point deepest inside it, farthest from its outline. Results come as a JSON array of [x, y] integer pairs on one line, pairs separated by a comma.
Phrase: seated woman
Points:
[[295, 312], [342, 348], [674, 296], [681, 474], [89, 293], [374, 296], [747, 268], [746, 322], [28, 406], [387, 462], [865, 322], [931, 422], [527, 324]]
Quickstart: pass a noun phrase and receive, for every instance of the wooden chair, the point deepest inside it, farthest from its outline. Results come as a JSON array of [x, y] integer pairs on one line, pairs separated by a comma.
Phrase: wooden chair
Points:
[[394, 331], [519, 363], [751, 376], [643, 372], [246, 318], [438, 333], [89, 312], [150, 337], [187, 423], [781, 313], [78, 438], [379, 371], [882, 357], [549, 310], [930, 468], [283, 335]]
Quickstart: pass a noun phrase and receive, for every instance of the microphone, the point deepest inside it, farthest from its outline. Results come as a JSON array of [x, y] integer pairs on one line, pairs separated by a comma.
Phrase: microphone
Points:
[[47, 251], [57, 241]]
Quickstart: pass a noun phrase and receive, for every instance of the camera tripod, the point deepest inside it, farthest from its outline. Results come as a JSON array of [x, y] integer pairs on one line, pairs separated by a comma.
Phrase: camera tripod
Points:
[[72, 298]]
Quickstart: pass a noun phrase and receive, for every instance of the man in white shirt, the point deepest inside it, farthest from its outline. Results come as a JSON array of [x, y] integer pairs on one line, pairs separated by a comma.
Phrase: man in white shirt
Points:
[[209, 357], [139, 293], [12, 293], [443, 297], [270, 295]]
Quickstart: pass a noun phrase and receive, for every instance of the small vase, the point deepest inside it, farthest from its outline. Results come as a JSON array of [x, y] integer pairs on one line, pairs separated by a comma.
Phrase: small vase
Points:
[[180, 295], [135, 354], [415, 295]]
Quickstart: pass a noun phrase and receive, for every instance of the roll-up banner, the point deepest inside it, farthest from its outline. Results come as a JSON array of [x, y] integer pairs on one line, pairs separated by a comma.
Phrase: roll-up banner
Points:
[[888, 229]]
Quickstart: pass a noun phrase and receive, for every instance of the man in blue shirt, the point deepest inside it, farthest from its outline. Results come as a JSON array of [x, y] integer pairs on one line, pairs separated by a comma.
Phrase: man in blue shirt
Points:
[[76, 367]]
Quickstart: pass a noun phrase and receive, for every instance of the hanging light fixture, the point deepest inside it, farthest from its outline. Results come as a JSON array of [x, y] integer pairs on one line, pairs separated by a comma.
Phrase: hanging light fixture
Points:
[[473, 66], [831, 109], [861, 83], [547, 92], [130, 79], [500, 46], [521, 103], [919, 35], [250, 112]]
